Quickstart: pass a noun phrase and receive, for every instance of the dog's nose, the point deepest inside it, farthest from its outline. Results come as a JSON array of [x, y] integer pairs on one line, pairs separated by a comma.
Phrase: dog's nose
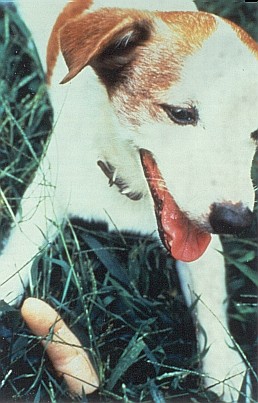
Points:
[[229, 218]]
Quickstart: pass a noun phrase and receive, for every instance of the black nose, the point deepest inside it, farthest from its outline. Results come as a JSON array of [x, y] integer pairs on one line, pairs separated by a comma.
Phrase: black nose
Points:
[[229, 218]]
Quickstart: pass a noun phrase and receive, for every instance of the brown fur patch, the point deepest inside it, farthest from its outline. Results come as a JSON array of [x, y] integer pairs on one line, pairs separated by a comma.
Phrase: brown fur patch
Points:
[[157, 64], [71, 10], [84, 36], [83, 40], [192, 28], [144, 64]]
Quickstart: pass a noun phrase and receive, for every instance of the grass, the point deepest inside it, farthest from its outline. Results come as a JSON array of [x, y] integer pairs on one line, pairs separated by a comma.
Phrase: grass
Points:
[[118, 292]]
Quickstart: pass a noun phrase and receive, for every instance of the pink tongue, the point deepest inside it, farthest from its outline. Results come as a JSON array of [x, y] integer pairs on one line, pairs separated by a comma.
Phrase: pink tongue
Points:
[[181, 236]]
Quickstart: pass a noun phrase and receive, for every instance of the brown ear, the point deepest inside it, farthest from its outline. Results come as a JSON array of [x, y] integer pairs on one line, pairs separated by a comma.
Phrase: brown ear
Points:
[[105, 39]]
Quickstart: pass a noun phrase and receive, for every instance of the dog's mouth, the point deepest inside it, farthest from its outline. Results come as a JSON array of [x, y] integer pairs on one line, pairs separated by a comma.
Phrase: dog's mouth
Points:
[[183, 238]]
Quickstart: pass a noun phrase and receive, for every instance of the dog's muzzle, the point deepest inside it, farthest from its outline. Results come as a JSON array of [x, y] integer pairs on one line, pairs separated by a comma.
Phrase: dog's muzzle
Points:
[[229, 218], [184, 238]]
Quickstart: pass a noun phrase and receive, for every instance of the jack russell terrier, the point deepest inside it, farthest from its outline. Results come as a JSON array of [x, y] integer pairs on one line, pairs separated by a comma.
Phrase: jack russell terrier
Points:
[[155, 107]]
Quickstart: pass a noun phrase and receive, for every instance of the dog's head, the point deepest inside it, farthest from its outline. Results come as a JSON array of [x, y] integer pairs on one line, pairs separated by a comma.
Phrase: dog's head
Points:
[[185, 85]]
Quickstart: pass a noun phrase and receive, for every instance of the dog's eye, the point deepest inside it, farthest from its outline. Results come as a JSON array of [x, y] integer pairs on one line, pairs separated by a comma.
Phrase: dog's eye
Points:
[[181, 116]]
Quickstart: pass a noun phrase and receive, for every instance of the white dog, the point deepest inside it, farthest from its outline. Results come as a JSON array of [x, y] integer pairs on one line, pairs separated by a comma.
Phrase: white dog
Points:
[[162, 106]]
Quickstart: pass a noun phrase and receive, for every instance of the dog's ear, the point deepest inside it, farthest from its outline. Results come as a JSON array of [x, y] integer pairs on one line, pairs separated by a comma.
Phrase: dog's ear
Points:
[[105, 39]]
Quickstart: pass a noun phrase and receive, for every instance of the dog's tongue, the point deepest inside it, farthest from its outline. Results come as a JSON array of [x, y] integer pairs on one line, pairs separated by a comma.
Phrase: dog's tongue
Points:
[[183, 238]]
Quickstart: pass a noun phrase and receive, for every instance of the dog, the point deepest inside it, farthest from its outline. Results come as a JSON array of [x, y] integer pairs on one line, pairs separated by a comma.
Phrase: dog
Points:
[[153, 111]]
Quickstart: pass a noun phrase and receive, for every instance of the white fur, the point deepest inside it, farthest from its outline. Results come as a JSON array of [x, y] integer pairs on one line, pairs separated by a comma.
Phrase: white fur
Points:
[[199, 159], [222, 137]]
